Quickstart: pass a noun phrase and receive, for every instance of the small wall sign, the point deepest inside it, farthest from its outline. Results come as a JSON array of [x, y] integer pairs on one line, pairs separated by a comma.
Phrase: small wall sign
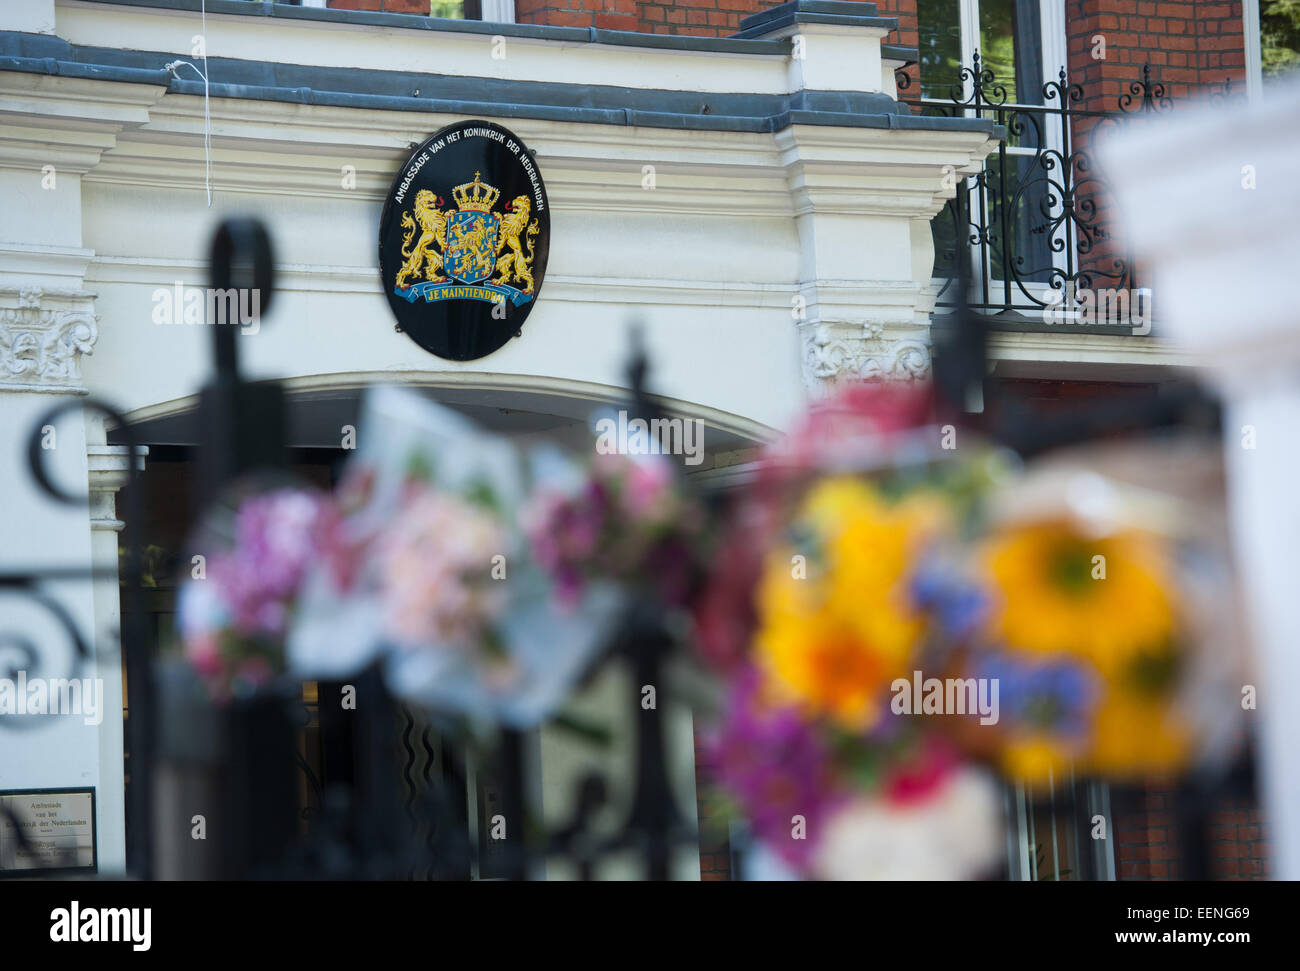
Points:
[[57, 831], [463, 240]]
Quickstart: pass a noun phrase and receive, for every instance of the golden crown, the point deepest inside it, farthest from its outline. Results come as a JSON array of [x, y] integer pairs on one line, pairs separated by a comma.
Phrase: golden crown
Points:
[[481, 199]]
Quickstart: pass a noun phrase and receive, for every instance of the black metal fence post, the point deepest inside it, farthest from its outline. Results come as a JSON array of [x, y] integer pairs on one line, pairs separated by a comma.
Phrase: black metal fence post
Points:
[[241, 425]]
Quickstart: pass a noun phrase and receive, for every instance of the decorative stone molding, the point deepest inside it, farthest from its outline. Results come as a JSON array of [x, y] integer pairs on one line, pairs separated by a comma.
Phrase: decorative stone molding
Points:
[[830, 355], [41, 345], [863, 213]]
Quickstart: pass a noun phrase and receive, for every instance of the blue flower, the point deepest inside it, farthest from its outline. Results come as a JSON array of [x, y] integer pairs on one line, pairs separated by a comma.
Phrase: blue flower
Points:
[[1057, 696], [959, 606]]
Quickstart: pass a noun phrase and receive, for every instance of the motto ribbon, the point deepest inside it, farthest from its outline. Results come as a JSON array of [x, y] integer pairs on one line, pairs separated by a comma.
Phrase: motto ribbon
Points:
[[487, 292]]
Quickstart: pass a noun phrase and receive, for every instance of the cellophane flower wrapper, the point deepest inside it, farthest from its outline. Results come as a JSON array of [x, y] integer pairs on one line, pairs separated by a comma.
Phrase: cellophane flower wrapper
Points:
[[442, 590]]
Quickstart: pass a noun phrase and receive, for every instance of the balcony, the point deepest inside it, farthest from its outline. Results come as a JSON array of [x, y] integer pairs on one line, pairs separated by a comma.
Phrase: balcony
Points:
[[1044, 239]]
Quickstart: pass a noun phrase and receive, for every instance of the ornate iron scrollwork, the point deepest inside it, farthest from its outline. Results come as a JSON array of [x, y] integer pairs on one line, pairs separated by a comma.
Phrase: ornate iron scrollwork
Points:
[[20, 654], [1036, 221]]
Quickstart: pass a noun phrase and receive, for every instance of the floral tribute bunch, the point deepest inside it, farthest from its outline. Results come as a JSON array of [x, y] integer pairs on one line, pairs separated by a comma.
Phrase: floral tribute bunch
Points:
[[423, 577], [236, 608], [417, 561], [1113, 628], [902, 623], [623, 519]]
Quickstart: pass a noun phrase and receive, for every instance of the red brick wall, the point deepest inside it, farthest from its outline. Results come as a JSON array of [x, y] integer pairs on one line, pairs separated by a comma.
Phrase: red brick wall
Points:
[[705, 18], [1189, 44], [906, 35], [715, 844], [605, 14], [1239, 842], [1146, 840]]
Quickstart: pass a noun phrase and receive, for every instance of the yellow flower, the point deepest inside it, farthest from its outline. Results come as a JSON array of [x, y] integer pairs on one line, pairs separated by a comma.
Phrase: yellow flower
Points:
[[1137, 735], [1129, 737], [1108, 599], [1036, 758], [835, 637]]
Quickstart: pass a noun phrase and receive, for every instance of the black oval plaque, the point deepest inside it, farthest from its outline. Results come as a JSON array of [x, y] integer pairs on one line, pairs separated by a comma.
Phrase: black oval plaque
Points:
[[463, 240]]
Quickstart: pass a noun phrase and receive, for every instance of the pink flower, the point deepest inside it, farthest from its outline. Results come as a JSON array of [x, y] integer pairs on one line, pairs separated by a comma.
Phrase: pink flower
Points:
[[626, 523], [231, 620], [920, 779], [204, 653], [277, 537], [847, 427], [436, 562], [649, 487]]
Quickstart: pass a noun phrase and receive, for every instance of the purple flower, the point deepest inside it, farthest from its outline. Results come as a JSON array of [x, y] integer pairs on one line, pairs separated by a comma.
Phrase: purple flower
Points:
[[277, 537], [625, 523], [776, 765], [564, 533]]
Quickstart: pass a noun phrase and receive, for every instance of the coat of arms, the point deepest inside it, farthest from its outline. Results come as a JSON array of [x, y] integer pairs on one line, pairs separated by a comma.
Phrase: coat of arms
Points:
[[470, 252]]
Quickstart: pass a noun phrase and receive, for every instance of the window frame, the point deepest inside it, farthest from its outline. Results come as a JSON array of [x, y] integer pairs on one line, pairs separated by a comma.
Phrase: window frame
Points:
[[492, 11], [1054, 57]]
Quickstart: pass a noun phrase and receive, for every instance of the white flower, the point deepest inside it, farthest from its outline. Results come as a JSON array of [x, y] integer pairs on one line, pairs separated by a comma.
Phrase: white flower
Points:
[[955, 835]]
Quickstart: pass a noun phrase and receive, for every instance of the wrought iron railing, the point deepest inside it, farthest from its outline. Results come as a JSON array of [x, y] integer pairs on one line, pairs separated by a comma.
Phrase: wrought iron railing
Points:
[[1037, 222]]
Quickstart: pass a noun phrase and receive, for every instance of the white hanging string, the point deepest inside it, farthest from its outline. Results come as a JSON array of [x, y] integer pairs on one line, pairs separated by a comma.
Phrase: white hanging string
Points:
[[207, 114]]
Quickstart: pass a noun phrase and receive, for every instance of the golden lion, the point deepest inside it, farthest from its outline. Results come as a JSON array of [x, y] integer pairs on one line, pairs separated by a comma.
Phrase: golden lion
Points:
[[473, 242], [514, 265], [433, 229]]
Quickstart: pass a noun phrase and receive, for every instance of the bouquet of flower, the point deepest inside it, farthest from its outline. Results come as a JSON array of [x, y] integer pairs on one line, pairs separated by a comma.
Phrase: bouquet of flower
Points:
[[626, 520], [446, 591], [843, 585], [416, 561], [237, 605], [900, 621], [1112, 622]]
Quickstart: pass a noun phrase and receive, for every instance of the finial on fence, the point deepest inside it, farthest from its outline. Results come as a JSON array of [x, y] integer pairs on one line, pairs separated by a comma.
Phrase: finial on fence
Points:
[[638, 367], [243, 265], [241, 425]]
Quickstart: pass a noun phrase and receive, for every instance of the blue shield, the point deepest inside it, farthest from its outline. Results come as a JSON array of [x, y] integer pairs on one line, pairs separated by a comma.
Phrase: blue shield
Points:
[[472, 245]]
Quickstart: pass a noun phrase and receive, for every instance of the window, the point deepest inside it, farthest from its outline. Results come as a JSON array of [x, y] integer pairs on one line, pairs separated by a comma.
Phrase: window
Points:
[[1022, 44], [1021, 41], [492, 11], [1051, 833]]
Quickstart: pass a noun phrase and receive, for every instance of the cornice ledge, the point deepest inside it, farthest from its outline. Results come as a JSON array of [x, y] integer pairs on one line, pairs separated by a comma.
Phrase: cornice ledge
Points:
[[869, 305]]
